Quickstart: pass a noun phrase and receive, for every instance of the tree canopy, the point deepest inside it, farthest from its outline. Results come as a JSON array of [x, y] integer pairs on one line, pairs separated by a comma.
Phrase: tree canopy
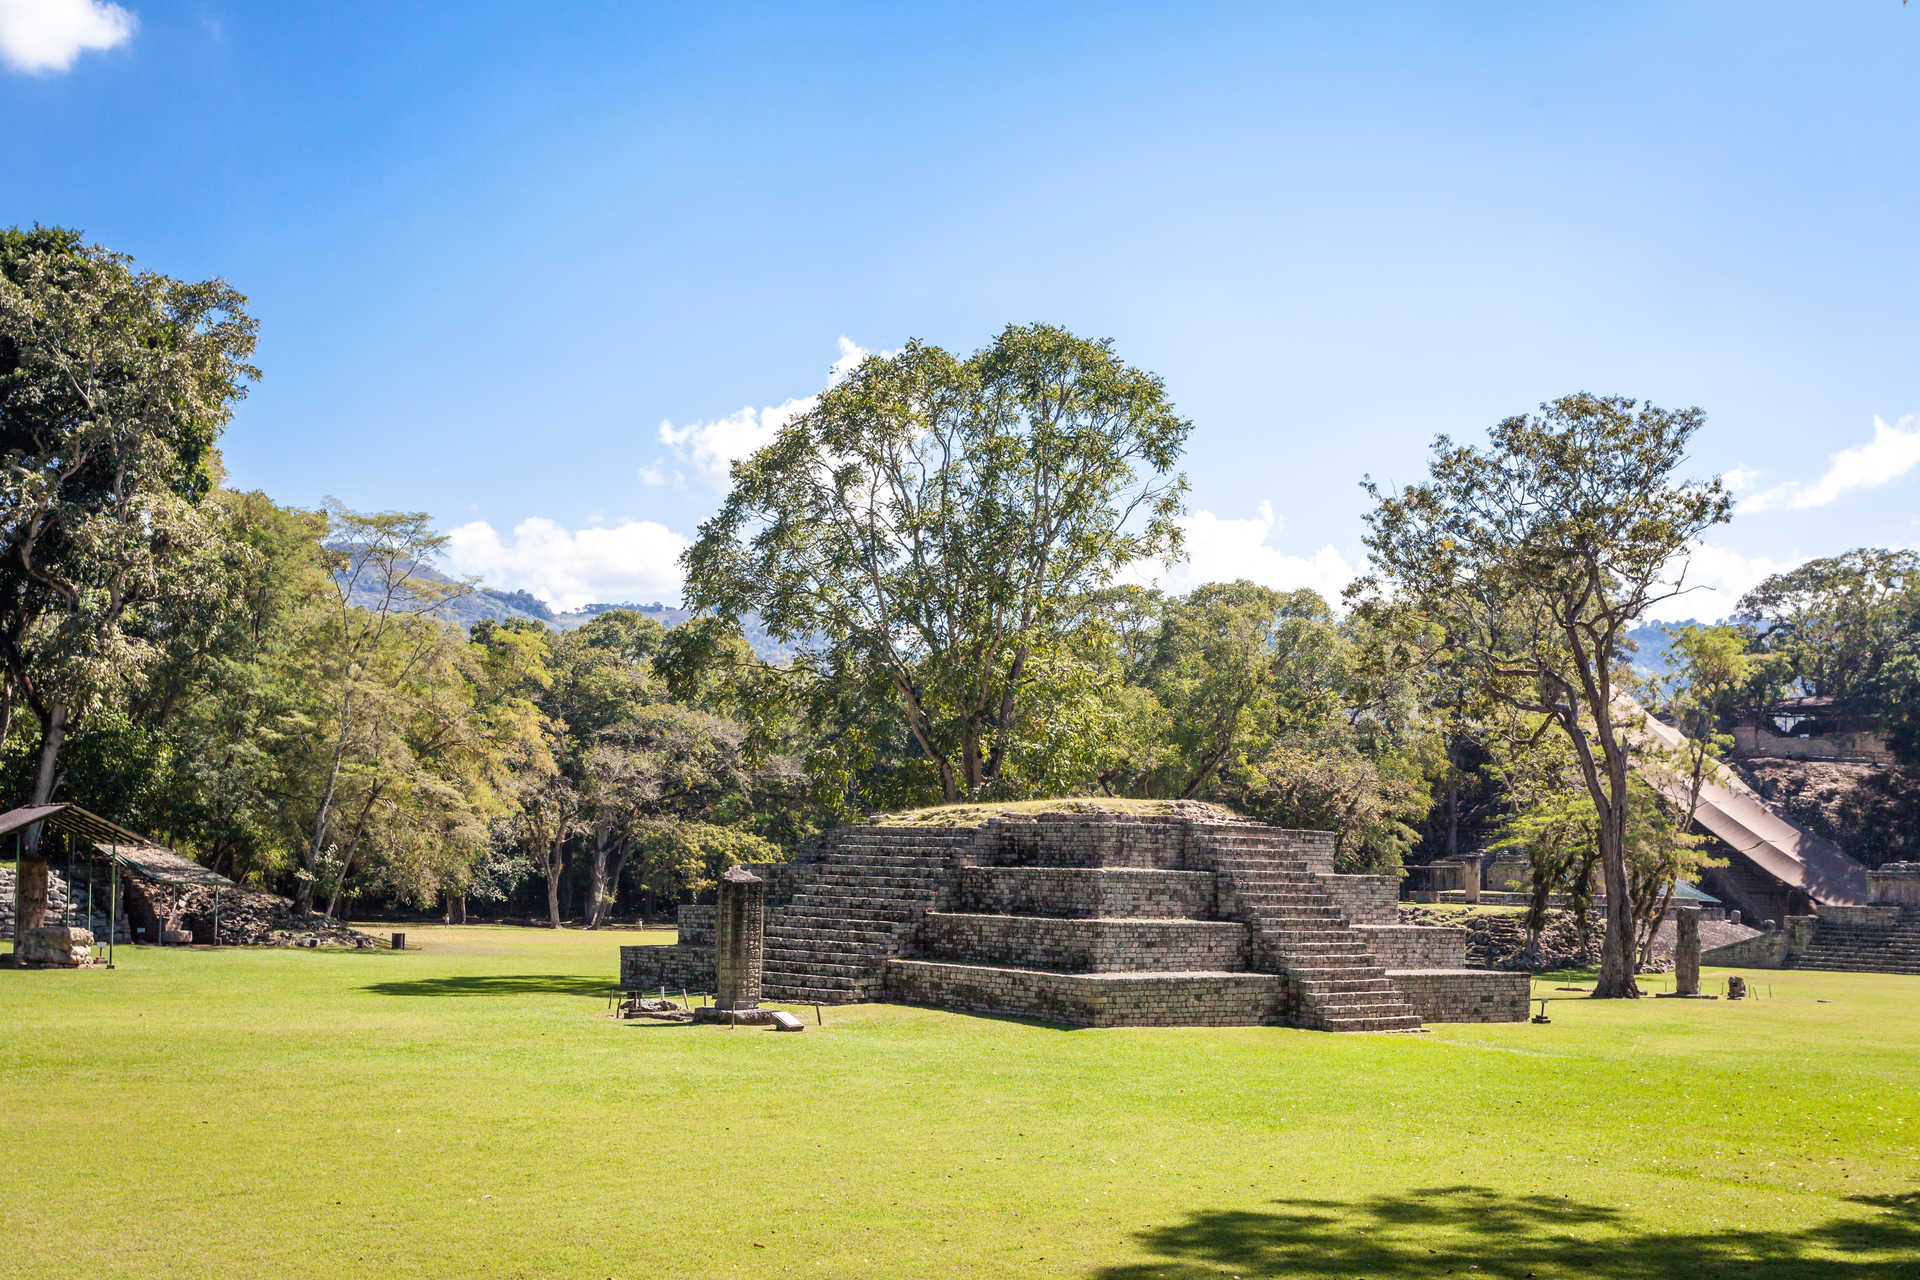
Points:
[[1533, 556], [935, 526]]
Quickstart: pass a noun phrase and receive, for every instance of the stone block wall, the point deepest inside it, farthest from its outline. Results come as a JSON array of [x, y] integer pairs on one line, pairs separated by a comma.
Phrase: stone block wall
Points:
[[1463, 995], [1085, 891], [1083, 945], [1095, 840], [696, 925], [1091, 1000], [1774, 949], [1316, 848], [680, 968], [1750, 739], [1897, 884], [1409, 946], [1365, 899], [1877, 916]]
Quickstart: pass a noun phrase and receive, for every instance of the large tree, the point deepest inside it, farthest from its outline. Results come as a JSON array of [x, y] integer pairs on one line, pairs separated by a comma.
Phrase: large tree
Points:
[[1535, 555], [114, 386], [1833, 627], [377, 635], [934, 526]]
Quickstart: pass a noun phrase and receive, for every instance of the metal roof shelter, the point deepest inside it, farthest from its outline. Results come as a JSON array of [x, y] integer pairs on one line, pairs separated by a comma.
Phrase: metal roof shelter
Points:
[[122, 849]]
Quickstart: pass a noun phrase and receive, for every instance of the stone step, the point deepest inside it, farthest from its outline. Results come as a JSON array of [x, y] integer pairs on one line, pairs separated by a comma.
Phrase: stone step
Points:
[[817, 969], [1277, 900], [1406, 1021], [788, 943], [796, 994], [791, 934], [858, 904], [1856, 965], [1286, 913], [787, 973], [785, 978]]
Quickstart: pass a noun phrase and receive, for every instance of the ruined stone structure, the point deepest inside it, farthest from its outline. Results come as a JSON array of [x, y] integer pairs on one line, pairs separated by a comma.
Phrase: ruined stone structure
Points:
[[1686, 953], [739, 934], [1881, 937], [1105, 919], [51, 946]]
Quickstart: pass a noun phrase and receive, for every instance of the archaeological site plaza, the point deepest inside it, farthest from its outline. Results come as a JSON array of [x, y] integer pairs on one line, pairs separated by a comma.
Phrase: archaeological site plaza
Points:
[[1092, 919]]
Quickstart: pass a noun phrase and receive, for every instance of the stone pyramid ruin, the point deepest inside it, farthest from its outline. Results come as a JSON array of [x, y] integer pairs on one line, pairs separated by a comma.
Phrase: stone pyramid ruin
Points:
[[1184, 918]]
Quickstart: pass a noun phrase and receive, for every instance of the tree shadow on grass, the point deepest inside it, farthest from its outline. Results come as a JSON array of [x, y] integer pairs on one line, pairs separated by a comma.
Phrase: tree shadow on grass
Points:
[[506, 984], [1462, 1231]]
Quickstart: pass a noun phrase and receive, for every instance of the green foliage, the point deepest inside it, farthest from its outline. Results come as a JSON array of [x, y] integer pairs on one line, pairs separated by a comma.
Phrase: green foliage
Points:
[[1833, 623], [1848, 628], [114, 386], [676, 855], [1531, 558], [932, 526]]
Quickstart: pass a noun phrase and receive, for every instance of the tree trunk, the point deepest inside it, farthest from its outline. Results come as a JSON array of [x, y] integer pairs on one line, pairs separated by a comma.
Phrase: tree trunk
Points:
[[53, 733], [556, 869], [339, 886], [1616, 945], [1538, 900], [613, 880], [303, 890], [606, 877]]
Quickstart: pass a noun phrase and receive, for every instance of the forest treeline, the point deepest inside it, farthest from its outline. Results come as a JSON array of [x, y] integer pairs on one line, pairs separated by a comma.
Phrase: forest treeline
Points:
[[943, 548]]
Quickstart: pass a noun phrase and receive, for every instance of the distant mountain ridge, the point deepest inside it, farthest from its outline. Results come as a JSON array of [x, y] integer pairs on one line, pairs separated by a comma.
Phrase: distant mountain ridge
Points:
[[484, 603], [1649, 638], [1650, 641]]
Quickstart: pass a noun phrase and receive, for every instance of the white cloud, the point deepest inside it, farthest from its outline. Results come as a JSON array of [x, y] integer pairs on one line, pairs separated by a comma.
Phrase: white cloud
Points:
[[1893, 451], [653, 475], [1716, 577], [636, 560], [1225, 550], [712, 448], [1741, 479], [47, 35]]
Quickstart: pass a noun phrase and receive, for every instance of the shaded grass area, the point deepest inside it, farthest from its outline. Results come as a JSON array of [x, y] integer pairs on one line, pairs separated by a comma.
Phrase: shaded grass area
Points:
[[1451, 1230], [467, 1109]]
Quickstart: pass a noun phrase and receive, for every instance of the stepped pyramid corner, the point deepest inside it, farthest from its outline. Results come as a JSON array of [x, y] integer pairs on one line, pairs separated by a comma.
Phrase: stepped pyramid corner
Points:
[[1082, 917]]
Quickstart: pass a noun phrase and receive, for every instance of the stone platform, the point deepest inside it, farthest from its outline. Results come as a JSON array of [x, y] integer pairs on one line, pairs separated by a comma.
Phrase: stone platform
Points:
[[1102, 920]]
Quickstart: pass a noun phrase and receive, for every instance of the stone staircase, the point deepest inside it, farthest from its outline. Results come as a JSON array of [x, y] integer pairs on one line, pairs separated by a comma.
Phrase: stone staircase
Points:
[[1265, 877], [1864, 948], [830, 944]]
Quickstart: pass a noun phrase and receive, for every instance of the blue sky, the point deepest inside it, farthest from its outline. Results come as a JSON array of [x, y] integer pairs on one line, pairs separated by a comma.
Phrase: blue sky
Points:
[[541, 270]]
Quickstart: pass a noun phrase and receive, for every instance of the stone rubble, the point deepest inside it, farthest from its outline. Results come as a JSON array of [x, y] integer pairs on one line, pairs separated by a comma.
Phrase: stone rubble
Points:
[[249, 918]]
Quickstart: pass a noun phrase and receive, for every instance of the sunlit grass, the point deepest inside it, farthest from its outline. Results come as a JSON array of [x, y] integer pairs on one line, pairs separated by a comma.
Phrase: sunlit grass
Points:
[[466, 1109]]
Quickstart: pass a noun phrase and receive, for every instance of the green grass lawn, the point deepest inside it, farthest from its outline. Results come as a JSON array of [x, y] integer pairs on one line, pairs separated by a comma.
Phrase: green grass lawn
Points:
[[467, 1110]]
